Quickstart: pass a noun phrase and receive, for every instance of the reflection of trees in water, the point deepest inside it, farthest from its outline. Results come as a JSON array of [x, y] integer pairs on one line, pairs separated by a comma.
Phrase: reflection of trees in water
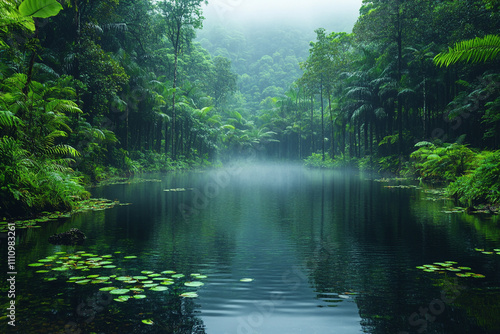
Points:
[[170, 314], [84, 309]]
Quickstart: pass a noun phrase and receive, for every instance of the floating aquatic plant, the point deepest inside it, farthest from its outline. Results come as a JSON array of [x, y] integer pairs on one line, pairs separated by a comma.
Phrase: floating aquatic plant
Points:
[[177, 189], [246, 280], [447, 266], [189, 295], [92, 204], [482, 250], [194, 284], [125, 286]]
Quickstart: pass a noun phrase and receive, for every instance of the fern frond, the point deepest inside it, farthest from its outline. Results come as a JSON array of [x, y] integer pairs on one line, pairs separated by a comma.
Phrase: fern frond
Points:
[[473, 50], [8, 119], [63, 149], [62, 106]]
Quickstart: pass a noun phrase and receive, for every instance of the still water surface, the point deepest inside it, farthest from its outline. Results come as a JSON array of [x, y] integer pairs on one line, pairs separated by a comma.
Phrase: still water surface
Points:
[[327, 252]]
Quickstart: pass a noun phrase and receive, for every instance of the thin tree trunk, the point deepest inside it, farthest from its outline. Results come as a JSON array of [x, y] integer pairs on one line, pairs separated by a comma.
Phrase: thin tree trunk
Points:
[[322, 123]]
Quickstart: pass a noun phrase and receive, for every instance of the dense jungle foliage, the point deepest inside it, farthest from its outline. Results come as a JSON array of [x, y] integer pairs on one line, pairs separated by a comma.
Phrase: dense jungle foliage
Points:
[[94, 88]]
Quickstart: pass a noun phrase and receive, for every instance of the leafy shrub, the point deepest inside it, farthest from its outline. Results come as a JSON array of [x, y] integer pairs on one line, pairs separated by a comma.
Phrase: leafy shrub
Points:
[[481, 185], [442, 163], [316, 160], [30, 184], [341, 161]]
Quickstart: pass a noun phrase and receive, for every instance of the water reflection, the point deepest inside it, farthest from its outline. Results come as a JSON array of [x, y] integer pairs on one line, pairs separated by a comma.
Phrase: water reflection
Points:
[[328, 252]]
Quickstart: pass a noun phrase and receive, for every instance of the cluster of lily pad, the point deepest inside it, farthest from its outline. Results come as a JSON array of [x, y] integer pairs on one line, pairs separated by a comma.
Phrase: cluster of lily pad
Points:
[[92, 204], [401, 186], [125, 287], [177, 189], [449, 266], [495, 251], [386, 179]]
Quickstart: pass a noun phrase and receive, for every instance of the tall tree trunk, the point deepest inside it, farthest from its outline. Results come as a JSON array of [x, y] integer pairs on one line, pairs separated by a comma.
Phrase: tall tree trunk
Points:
[[399, 73], [174, 86], [312, 123], [322, 122], [32, 60], [331, 124]]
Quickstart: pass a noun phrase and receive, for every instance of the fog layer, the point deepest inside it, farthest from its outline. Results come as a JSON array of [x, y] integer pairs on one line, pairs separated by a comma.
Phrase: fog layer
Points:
[[333, 15]]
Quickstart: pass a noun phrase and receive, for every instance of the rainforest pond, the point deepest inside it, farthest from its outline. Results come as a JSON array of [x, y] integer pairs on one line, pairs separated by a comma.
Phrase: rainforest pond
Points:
[[261, 249]]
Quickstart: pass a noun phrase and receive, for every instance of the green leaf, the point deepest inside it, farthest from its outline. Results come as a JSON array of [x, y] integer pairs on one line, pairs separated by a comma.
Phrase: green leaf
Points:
[[193, 284], [40, 8], [473, 50], [147, 321]]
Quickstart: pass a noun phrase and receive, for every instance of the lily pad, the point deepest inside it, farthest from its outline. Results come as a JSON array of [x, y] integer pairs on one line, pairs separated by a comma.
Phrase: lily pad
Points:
[[201, 276], [246, 280], [130, 257], [140, 277], [123, 278], [159, 288], [167, 283], [119, 291], [178, 275], [38, 264], [148, 322], [77, 278], [462, 275], [108, 288], [139, 296], [60, 268], [147, 272], [194, 284], [165, 272], [189, 295], [109, 266]]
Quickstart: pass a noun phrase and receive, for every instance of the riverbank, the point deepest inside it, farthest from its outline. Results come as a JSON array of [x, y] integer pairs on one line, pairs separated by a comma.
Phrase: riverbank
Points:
[[471, 177], [39, 191]]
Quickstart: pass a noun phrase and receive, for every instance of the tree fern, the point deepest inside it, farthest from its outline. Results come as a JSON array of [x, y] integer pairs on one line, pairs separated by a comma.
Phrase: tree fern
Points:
[[473, 50]]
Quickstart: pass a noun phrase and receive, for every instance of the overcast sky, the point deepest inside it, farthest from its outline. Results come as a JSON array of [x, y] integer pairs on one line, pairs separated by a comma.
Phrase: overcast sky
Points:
[[338, 15]]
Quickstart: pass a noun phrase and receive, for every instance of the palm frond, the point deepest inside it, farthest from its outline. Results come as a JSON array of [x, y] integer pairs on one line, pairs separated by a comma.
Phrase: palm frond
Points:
[[473, 50]]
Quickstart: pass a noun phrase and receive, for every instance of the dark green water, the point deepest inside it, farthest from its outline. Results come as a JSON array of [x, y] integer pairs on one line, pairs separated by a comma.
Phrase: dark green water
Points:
[[328, 252]]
